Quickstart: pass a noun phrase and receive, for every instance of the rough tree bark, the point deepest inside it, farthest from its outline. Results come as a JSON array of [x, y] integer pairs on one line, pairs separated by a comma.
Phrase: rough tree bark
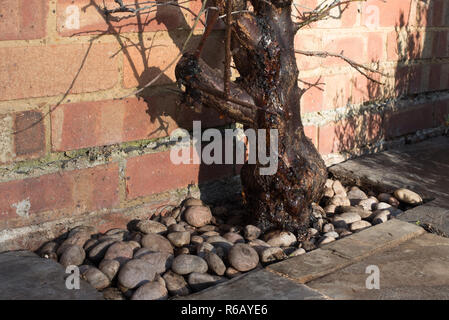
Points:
[[265, 96]]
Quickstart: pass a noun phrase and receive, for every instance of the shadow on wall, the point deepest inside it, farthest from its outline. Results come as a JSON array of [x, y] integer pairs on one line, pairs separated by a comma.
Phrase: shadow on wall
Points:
[[388, 118], [163, 99]]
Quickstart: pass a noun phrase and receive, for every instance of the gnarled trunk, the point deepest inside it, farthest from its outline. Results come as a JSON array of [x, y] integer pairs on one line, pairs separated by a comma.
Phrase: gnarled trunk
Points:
[[265, 96]]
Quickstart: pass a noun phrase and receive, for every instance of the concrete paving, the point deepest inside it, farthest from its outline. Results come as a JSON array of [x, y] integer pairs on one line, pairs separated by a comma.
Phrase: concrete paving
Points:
[[258, 285], [26, 276], [417, 269]]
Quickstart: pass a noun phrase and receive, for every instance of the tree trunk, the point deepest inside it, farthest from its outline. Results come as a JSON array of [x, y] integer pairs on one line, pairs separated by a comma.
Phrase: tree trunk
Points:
[[265, 96]]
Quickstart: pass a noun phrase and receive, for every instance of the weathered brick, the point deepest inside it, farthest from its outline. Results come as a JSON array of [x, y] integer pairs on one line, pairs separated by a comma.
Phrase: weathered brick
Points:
[[308, 42], [336, 91], [49, 197], [400, 123], [441, 113], [376, 46], [23, 19], [143, 65], [29, 138], [386, 13], [155, 173], [352, 47], [313, 98], [46, 71], [87, 17], [440, 44]]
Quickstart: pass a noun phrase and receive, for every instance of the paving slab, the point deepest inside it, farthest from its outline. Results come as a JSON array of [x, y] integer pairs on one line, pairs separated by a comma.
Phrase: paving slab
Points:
[[417, 269], [26, 276], [341, 253], [421, 167], [257, 285]]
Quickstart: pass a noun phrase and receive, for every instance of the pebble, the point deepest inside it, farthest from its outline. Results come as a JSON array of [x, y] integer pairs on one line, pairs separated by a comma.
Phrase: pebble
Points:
[[134, 273], [198, 216], [326, 240], [317, 211], [216, 265], [232, 273], [109, 268], [179, 239], [328, 227], [196, 240], [218, 241], [381, 216], [369, 204], [176, 284], [203, 248], [407, 196], [168, 221], [258, 245], [347, 217], [201, 281], [338, 188], [176, 228], [185, 264], [192, 202], [251, 232], [154, 290], [331, 234], [97, 279], [120, 251], [243, 257], [207, 234], [150, 226], [355, 195], [280, 238], [113, 294], [207, 228], [272, 254], [340, 201], [96, 254], [159, 261], [382, 206], [359, 225], [312, 232], [330, 209], [156, 243], [364, 214], [297, 252], [234, 237], [73, 255]]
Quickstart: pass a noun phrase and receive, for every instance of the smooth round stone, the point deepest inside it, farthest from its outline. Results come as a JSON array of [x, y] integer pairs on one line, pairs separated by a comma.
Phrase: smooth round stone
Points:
[[318, 224], [97, 279], [168, 221], [332, 234], [135, 272], [78, 238], [203, 248], [297, 252], [201, 281], [339, 201], [383, 206], [279, 238], [49, 247], [328, 227], [159, 261], [156, 243], [216, 265], [407, 196], [90, 244], [234, 237], [120, 251], [355, 195], [328, 192], [113, 294], [258, 245], [243, 257], [326, 240], [73, 255], [232, 273], [272, 254], [312, 232], [207, 228], [381, 216], [347, 217], [329, 183], [196, 240], [154, 290], [176, 284], [179, 239], [96, 254], [359, 225], [218, 241], [317, 211], [338, 188], [183, 250], [251, 232], [176, 228], [388, 198], [330, 209], [364, 214], [368, 204], [109, 268], [198, 216], [151, 226], [192, 202], [185, 264], [208, 234]]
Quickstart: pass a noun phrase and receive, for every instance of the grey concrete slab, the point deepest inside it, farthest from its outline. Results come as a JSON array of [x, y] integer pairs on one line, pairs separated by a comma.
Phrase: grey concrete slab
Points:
[[434, 217], [257, 285], [417, 269], [422, 167], [341, 253], [26, 276]]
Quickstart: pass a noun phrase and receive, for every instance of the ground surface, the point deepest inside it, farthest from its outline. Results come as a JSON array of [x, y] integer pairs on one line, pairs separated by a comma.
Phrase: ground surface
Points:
[[413, 264]]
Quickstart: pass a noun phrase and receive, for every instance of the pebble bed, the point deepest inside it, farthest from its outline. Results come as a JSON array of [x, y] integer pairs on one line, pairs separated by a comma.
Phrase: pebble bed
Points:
[[195, 246]]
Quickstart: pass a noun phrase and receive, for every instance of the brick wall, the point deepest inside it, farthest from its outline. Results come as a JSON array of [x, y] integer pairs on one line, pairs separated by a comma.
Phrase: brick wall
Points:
[[69, 148]]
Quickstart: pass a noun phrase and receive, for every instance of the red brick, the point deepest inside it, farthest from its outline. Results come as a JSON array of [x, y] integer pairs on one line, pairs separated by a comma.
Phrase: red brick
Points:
[[97, 123], [23, 19], [375, 46], [142, 66], [311, 133], [408, 121], [155, 173], [430, 14], [307, 42], [352, 47], [313, 98], [435, 78], [336, 91], [29, 139], [51, 70], [441, 113], [86, 17], [58, 195], [391, 13], [440, 44]]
